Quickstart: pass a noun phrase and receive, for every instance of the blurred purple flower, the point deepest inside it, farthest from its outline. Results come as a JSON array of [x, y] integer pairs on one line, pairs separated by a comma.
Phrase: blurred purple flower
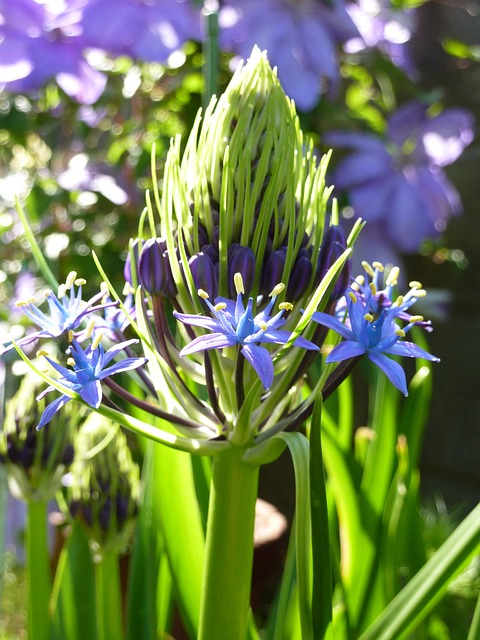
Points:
[[397, 183], [147, 30], [39, 42], [300, 37], [81, 175], [385, 28]]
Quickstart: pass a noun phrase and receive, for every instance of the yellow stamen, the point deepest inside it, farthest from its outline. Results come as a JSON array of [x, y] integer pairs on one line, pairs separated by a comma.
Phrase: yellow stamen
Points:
[[70, 336], [415, 284], [42, 352], [80, 282], [263, 325], [417, 319], [97, 340], [420, 293], [399, 301], [23, 303], [90, 328], [379, 266], [369, 317], [127, 289], [71, 362], [288, 306], [373, 289], [72, 276], [277, 289], [203, 294], [393, 276], [62, 290], [220, 306], [352, 296], [400, 333], [47, 292], [368, 268], [238, 282]]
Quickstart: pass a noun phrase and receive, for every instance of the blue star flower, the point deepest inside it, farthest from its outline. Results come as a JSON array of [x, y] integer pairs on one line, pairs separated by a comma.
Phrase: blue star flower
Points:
[[370, 325], [234, 324], [66, 311], [87, 368]]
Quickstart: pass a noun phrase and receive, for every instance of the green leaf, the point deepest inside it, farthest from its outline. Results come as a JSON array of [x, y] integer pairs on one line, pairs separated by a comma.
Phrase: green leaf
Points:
[[321, 559], [143, 578], [73, 596], [177, 513], [300, 451]]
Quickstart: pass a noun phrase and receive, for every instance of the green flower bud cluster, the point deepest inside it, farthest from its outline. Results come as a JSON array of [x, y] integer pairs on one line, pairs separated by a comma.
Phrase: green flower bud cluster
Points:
[[246, 179], [36, 460], [104, 485]]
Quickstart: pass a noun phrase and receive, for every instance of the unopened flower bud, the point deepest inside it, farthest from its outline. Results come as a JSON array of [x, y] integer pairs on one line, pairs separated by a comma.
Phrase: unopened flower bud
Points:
[[300, 275], [273, 271], [204, 273], [134, 251], [36, 460], [104, 491], [334, 244], [154, 269], [241, 260]]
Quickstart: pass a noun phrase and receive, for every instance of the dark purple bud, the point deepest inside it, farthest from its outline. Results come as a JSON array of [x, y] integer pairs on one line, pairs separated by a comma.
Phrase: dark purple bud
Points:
[[104, 515], [334, 244], [273, 272], [241, 260], [154, 271], [211, 251], [135, 249], [122, 509], [204, 273], [68, 455], [300, 275]]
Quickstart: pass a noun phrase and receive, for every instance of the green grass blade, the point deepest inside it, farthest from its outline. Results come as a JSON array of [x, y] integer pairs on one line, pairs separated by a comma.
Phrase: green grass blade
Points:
[[410, 607]]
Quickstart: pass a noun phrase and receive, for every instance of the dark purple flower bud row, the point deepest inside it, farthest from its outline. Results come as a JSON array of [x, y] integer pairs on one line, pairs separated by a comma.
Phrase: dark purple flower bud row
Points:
[[26, 447], [104, 511], [334, 244]]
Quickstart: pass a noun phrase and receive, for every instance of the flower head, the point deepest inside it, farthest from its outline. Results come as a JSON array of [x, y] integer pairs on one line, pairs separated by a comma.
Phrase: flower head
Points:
[[147, 30], [66, 311], [86, 371], [371, 325], [301, 38], [41, 41], [397, 183], [233, 324]]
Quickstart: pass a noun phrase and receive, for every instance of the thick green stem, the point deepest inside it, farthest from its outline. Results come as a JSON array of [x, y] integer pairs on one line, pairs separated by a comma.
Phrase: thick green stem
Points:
[[229, 548], [108, 597], [38, 568]]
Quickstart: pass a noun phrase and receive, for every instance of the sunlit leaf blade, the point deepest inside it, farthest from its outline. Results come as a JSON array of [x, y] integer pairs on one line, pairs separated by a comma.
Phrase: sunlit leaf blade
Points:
[[73, 596]]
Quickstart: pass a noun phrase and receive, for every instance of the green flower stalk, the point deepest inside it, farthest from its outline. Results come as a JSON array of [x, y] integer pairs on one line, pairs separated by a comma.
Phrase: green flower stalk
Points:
[[36, 461], [102, 494]]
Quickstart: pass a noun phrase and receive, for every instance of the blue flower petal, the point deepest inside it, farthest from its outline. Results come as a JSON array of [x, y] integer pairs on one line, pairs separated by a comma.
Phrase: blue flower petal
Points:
[[332, 323], [91, 393], [211, 341], [52, 409], [410, 350], [261, 361], [392, 370], [345, 351]]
